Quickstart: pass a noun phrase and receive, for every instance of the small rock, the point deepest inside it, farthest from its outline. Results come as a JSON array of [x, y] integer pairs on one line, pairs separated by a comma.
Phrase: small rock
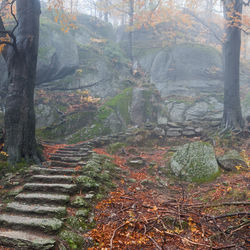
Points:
[[232, 161], [82, 213], [132, 180], [89, 196], [215, 123], [173, 125], [147, 183], [173, 133], [198, 130], [188, 133], [159, 132], [136, 162]]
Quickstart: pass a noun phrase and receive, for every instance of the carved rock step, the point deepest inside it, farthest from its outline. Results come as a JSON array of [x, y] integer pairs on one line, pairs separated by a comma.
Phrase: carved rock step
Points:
[[35, 209], [71, 150], [52, 179], [42, 198], [79, 147], [55, 171], [63, 164], [66, 159], [55, 188], [25, 240], [75, 154], [20, 222]]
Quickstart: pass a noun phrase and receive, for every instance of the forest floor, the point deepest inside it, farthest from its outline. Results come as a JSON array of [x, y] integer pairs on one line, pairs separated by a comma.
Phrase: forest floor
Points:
[[163, 213], [151, 210]]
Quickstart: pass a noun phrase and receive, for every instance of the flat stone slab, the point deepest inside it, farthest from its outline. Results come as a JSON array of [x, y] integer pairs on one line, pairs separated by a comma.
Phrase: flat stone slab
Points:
[[42, 198], [52, 178], [36, 209], [63, 164], [19, 222], [48, 187], [70, 159], [25, 240], [56, 171], [69, 149]]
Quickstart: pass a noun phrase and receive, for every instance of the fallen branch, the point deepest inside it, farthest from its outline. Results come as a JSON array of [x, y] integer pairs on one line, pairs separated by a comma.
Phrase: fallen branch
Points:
[[157, 246], [201, 205], [113, 236], [228, 215], [223, 247], [237, 228]]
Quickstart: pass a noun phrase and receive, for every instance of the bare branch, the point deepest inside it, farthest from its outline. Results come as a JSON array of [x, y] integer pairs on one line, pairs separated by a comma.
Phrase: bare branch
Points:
[[4, 32], [203, 23], [246, 3], [153, 10], [14, 16], [82, 87]]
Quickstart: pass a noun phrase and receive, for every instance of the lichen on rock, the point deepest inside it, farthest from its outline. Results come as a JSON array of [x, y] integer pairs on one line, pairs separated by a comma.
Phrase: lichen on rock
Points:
[[195, 162]]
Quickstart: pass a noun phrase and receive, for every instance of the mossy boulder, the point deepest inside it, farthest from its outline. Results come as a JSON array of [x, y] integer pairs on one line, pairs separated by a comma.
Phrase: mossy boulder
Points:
[[232, 161], [195, 162]]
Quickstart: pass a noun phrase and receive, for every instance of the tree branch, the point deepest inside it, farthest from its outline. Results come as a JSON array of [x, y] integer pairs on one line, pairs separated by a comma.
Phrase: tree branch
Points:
[[4, 32], [82, 87], [203, 23], [14, 16], [246, 3]]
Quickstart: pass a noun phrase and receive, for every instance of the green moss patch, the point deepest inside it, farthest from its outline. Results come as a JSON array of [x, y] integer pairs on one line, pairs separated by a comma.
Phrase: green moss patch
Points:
[[121, 103]]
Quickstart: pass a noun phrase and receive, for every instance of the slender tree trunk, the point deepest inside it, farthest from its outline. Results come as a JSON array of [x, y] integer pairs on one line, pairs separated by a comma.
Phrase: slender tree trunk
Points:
[[232, 116], [130, 34], [20, 114]]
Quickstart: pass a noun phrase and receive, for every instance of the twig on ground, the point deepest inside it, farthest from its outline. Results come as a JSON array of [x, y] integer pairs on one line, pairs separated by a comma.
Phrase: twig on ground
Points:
[[228, 215], [223, 247], [113, 236], [157, 246]]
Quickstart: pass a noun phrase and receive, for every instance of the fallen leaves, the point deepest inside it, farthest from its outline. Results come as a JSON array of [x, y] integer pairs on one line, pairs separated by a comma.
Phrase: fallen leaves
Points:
[[136, 217]]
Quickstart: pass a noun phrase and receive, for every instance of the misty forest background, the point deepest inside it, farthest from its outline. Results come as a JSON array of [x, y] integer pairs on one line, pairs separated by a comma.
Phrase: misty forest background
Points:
[[138, 112]]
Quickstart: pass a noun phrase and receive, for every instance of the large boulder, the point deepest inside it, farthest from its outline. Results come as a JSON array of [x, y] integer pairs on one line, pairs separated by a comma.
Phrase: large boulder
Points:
[[185, 69], [57, 55], [195, 162]]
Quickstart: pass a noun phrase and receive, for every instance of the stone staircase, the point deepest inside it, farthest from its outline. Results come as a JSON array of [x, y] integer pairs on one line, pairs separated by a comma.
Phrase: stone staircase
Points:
[[34, 218]]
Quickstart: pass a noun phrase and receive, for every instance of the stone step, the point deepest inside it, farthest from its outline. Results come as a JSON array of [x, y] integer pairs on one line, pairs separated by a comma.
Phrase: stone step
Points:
[[63, 164], [41, 198], [21, 222], [56, 171], [52, 179], [48, 187], [70, 150], [79, 147], [73, 154], [36, 209], [67, 159], [25, 240]]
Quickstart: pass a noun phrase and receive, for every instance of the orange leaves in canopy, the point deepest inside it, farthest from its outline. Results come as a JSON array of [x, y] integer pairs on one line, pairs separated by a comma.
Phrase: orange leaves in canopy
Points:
[[63, 14]]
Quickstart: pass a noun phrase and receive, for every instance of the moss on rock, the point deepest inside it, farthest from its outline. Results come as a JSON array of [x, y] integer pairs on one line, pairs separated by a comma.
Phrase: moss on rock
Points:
[[195, 162]]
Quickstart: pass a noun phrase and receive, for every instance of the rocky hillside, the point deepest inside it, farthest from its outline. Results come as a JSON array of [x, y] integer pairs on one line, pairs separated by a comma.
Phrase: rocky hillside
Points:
[[179, 84]]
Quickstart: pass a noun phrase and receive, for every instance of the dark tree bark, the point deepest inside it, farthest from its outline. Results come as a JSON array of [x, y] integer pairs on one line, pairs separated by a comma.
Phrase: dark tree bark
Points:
[[232, 116], [21, 61]]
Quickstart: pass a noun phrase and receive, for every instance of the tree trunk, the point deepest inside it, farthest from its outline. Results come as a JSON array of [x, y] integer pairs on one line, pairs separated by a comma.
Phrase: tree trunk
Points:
[[20, 114], [130, 34], [232, 116]]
